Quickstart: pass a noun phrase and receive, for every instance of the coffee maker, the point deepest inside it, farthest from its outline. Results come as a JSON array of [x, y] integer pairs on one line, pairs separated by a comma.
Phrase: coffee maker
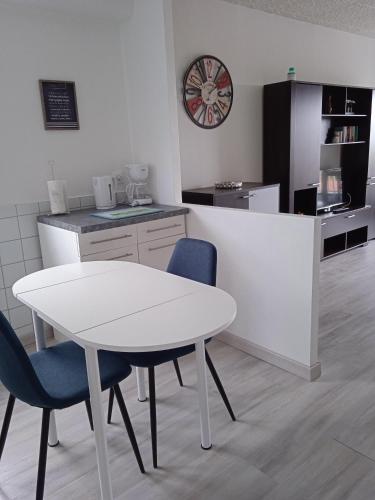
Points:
[[137, 189]]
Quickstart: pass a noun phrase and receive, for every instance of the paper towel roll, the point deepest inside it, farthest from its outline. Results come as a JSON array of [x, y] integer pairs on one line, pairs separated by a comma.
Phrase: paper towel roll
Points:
[[57, 197]]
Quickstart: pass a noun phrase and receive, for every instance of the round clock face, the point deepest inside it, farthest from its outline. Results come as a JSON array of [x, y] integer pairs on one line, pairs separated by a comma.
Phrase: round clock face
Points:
[[208, 92]]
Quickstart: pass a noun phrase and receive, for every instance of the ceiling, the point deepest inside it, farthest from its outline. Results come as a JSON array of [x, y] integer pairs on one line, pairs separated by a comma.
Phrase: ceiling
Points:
[[102, 9], [355, 16]]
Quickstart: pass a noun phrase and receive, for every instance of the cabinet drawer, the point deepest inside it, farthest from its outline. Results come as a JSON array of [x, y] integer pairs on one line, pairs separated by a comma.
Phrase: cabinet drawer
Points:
[[162, 228], [158, 253], [345, 222], [332, 226], [108, 239], [238, 199], [356, 220], [128, 253]]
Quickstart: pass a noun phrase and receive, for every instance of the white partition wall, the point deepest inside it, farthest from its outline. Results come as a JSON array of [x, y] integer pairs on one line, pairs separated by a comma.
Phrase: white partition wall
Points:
[[147, 39], [270, 264]]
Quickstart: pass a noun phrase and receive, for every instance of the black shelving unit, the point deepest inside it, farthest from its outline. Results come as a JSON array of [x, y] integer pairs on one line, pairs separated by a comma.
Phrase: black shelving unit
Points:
[[303, 124]]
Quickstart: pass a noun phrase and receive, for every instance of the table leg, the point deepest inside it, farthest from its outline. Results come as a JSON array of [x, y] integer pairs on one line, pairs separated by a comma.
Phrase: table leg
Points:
[[40, 341], [93, 376], [141, 383], [200, 354]]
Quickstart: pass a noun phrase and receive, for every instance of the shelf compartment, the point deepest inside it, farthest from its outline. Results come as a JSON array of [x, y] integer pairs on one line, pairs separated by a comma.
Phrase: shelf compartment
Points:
[[305, 201], [342, 143], [343, 116], [356, 237], [334, 244], [334, 98]]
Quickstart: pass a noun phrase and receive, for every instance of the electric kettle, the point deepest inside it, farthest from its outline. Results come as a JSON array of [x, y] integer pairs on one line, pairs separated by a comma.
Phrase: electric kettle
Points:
[[104, 192]]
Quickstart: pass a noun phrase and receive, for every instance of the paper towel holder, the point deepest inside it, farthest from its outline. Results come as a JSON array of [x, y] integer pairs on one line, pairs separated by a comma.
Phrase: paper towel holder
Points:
[[57, 192]]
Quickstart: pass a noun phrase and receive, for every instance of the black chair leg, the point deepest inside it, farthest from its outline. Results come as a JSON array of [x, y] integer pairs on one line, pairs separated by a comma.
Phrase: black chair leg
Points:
[[151, 388], [43, 454], [128, 425], [219, 385], [6, 422], [89, 413], [178, 372], [110, 405]]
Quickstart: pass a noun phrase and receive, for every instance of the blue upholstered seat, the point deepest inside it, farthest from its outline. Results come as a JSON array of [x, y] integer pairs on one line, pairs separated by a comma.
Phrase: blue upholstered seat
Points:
[[196, 260], [54, 377], [155, 358], [62, 373], [192, 259]]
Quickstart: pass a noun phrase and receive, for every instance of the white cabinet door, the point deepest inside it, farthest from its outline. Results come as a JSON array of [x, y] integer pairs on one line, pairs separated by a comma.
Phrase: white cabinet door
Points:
[[157, 253], [264, 200]]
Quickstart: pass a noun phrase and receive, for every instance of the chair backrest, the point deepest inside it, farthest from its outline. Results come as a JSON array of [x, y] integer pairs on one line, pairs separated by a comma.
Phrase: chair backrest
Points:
[[195, 260], [16, 370]]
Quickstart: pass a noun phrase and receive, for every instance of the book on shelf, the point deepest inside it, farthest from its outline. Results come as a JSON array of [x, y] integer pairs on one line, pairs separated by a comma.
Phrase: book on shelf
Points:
[[343, 134]]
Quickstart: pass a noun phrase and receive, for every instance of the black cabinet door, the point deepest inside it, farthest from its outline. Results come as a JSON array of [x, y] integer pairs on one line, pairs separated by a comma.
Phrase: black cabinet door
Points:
[[239, 199], [370, 200], [306, 117], [370, 188]]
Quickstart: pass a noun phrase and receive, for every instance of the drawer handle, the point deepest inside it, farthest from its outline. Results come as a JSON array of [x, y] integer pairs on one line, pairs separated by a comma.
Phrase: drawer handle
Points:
[[110, 239], [370, 178], [172, 226], [122, 256], [371, 183], [324, 223], [246, 196], [314, 184], [161, 246], [350, 216]]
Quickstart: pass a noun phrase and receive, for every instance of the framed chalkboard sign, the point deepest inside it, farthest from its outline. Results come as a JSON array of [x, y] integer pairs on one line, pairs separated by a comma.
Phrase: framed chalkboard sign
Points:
[[59, 104]]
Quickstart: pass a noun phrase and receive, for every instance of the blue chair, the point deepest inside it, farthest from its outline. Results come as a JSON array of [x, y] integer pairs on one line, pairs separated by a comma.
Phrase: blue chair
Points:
[[196, 260], [53, 379]]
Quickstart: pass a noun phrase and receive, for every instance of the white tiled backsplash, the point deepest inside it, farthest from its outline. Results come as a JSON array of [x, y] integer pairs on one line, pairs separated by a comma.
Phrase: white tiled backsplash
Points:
[[20, 254]]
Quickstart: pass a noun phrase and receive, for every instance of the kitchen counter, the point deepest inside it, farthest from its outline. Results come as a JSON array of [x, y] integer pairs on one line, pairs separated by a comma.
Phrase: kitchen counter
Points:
[[81, 221]]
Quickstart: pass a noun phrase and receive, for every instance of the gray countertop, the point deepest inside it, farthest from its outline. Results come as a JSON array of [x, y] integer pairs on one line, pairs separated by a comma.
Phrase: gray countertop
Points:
[[81, 221]]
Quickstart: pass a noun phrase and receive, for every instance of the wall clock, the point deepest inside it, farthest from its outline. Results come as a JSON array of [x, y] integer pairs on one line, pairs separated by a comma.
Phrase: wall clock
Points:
[[208, 92]]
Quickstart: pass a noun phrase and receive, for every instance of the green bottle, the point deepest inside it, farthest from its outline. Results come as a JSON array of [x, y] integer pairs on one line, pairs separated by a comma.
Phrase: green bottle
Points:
[[292, 73]]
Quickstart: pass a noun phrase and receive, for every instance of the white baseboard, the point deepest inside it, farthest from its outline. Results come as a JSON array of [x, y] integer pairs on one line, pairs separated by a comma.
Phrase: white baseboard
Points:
[[309, 373]]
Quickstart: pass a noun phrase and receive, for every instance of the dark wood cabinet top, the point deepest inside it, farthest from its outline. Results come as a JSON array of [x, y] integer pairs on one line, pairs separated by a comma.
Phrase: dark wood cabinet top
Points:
[[303, 82], [246, 186]]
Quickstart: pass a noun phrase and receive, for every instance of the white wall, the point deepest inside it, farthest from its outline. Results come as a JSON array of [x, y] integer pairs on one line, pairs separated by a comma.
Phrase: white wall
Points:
[[149, 65], [258, 48], [270, 265], [37, 44]]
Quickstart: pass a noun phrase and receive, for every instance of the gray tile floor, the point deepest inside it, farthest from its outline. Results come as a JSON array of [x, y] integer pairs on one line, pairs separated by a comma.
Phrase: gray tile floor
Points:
[[293, 440]]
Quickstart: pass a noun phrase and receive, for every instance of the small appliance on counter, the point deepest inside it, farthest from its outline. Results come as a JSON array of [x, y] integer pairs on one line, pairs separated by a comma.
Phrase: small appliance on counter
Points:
[[137, 189], [104, 192], [58, 197]]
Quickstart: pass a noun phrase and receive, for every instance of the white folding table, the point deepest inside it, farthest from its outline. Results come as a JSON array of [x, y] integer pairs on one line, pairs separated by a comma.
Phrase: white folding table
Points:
[[123, 306]]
